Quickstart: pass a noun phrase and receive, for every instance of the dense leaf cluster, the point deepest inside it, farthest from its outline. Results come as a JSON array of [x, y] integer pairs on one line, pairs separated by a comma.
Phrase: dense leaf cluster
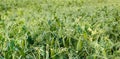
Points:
[[64, 29]]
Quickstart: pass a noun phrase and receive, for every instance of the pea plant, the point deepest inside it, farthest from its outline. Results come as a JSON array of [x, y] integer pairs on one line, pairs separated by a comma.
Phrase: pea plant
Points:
[[64, 29]]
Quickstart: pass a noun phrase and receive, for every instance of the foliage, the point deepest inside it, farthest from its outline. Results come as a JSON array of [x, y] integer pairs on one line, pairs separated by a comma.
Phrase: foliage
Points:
[[64, 29]]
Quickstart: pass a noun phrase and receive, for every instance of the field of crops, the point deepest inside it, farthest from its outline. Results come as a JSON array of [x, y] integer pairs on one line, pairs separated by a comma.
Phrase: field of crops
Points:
[[59, 29]]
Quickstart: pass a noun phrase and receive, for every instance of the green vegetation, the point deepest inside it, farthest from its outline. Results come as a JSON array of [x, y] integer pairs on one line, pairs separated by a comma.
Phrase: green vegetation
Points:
[[59, 29]]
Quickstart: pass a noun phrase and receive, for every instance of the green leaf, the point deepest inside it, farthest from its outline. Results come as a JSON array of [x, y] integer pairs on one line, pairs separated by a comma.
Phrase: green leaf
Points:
[[79, 45]]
